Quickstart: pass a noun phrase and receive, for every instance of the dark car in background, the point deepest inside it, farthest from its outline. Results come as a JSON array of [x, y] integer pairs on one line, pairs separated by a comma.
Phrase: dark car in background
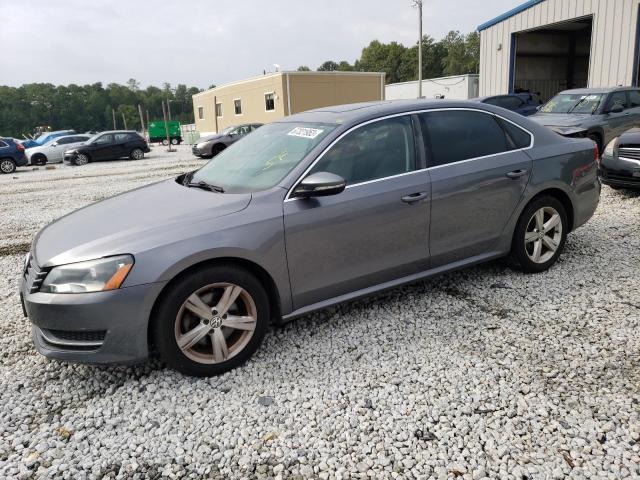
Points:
[[11, 155], [211, 145], [620, 163], [110, 145], [523, 103], [315, 209], [600, 114]]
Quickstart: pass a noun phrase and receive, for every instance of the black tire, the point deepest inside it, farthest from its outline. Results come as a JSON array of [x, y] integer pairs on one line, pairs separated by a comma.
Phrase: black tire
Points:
[[7, 165], [165, 321], [81, 159], [521, 252], [165, 142], [216, 149], [175, 141], [39, 160], [136, 154]]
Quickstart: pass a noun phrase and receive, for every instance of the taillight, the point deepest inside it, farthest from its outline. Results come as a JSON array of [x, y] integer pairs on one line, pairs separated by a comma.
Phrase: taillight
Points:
[[596, 153], [20, 147]]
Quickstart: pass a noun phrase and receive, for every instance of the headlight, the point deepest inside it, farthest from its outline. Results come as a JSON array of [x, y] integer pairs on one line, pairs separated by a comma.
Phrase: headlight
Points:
[[202, 145], [90, 276], [610, 150]]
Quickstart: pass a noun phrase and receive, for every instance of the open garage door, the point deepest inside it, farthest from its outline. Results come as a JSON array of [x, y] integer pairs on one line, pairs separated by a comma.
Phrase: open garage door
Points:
[[553, 58]]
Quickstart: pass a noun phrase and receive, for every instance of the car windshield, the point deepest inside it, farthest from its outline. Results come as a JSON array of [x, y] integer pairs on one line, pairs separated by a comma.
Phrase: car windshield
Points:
[[94, 138], [226, 130], [573, 103], [43, 139], [260, 160]]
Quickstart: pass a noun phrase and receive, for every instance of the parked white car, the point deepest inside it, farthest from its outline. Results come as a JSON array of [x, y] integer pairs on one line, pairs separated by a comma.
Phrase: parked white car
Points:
[[53, 151]]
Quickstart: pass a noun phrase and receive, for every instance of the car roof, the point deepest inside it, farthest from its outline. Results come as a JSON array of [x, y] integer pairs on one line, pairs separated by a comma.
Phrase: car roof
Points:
[[357, 112], [582, 91], [114, 131]]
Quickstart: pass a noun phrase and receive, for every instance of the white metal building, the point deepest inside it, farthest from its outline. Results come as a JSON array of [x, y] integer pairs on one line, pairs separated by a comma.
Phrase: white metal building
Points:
[[458, 87], [551, 45]]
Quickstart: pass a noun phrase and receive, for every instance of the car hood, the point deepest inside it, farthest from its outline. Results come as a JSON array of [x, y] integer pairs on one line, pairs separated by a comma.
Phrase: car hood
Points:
[[210, 138], [559, 119], [631, 136], [131, 222]]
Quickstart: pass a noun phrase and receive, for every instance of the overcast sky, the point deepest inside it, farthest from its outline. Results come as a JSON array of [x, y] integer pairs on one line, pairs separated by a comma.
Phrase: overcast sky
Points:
[[204, 42]]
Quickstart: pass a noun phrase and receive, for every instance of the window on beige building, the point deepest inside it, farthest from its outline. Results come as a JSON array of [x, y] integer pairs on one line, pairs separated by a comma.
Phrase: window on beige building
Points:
[[218, 110], [269, 102], [200, 113], [237, 104]]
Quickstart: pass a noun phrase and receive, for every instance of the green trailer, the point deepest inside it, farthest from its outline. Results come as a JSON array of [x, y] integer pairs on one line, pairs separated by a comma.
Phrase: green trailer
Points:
[[157, 132]]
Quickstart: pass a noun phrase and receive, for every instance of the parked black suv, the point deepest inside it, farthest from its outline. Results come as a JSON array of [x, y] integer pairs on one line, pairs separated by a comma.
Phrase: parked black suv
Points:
[[108, 146]]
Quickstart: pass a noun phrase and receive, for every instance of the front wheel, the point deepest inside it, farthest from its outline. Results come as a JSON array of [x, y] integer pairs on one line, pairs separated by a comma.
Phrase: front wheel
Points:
[[211, 321], [540, 234], [165, 142], [81, 159], [7, 165]]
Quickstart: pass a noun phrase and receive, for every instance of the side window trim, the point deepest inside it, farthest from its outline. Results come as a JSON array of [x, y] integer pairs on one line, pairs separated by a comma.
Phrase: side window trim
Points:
[[288, 197]]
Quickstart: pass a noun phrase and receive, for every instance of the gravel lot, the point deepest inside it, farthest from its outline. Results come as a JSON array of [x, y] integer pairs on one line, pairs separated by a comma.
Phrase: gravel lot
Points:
[[482, 373]]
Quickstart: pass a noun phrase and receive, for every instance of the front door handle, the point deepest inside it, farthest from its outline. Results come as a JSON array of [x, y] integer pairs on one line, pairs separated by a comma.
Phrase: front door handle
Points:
[[415, 197], [516, 174]]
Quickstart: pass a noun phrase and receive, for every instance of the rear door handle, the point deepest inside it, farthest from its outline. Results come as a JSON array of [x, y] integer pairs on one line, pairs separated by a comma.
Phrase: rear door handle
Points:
[[516, 174], [415, 197]]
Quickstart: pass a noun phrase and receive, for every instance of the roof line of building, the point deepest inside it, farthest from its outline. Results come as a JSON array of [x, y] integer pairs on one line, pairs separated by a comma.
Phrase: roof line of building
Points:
[[287, 72], [514, 11], [436, 79]]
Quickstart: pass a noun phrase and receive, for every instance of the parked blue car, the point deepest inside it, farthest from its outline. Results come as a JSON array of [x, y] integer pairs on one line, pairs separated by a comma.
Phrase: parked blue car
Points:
[[45, 137], [11, 155], [523, 103]]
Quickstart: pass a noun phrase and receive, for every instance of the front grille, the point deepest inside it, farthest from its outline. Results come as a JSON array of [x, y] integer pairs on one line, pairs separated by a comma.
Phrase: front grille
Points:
[[628, 151], [33, 275]]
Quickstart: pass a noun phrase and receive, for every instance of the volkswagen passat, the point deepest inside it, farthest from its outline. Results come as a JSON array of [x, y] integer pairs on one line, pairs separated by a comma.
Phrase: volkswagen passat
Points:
[[315, 209]]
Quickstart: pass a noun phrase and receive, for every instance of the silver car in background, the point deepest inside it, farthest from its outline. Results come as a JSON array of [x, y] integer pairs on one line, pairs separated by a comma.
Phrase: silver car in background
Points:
[[314, 209], [53, 150]]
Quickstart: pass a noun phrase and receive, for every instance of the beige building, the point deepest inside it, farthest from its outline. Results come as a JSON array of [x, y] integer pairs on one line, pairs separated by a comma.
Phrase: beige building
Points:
[[269, 97], [551, 45]]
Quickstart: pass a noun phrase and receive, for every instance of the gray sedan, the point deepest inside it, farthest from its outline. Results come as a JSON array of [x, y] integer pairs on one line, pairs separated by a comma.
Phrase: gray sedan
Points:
[[315, 209], [212, 145], [600, 114], [53, 151]]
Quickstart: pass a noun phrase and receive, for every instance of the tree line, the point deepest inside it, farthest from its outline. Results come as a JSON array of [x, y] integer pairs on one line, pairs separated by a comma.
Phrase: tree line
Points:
[[455, 54], [89, 107]]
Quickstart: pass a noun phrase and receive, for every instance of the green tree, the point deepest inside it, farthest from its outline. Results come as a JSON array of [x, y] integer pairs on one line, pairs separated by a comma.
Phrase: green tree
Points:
[[303, 68], [328, 66]]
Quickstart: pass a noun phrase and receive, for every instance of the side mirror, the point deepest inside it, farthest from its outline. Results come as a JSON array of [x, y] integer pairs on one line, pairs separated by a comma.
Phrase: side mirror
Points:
[[320, 184], [616, 109], [54, 144]]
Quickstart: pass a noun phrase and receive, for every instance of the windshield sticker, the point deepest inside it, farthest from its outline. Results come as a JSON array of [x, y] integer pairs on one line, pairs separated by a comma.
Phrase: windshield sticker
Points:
[[592, 97], [305, 132]]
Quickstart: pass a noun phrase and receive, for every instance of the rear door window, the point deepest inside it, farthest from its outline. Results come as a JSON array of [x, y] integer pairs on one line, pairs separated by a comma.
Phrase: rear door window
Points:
[[456, 135], [518, 137]]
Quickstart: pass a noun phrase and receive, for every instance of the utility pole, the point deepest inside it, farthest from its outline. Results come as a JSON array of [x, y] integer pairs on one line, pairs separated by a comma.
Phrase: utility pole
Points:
[[113, 114], [141, 119], [418, 3], [166, 126], [124, 121], [169, 108]]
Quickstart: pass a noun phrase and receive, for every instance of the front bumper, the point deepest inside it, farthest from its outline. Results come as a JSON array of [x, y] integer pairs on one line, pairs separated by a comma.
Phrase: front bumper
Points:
[[200, 152], [69, 157], [619, 172], [101, 327]]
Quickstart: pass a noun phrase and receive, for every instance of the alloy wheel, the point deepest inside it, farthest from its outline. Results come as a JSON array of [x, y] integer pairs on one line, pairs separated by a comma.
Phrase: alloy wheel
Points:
[[137, 154], [543, 235], [215, 323], [82, 159], [7, 166]]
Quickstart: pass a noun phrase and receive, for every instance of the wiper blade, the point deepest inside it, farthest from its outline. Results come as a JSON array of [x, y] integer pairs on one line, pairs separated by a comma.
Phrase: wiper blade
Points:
[[206, 186]]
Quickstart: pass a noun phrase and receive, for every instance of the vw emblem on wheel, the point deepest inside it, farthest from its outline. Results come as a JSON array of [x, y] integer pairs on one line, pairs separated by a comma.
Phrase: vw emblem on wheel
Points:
[[216, 322]]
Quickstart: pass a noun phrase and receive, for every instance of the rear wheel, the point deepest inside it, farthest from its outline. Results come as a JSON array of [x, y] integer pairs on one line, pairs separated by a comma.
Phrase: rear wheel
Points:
[[136, 154], [165, 142], [7, 165], [211, 321], [81, 159], [38, 159], [540, 234], [174, 141]]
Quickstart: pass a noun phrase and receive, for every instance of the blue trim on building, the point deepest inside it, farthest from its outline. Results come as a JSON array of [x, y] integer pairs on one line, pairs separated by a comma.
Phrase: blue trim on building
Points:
[[636, 57], [509, 14], [512, 63]]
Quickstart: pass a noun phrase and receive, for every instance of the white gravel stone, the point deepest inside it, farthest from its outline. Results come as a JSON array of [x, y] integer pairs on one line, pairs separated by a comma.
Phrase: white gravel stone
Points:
[[484, 372]]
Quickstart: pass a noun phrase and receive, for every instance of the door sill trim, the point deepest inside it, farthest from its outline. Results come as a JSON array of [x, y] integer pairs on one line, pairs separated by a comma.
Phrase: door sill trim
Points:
[[364, 292]]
